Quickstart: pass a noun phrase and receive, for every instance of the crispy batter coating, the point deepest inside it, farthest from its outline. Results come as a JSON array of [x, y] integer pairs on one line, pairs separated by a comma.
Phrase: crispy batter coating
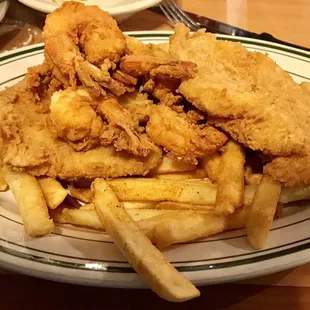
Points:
[[29, 145], [176, 134], [240, 91], [81, 43]]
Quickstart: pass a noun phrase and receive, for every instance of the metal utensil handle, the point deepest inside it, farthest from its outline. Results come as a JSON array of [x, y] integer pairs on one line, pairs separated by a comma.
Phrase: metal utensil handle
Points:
[[268, 37]]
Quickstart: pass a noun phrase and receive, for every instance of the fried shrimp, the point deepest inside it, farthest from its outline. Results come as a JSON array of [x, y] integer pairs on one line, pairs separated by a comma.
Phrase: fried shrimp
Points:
[[84, 122], [83, 43]]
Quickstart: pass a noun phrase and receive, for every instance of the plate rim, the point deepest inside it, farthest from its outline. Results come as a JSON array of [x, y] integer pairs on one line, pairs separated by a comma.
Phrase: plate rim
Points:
[[122, 9], [55, 276]]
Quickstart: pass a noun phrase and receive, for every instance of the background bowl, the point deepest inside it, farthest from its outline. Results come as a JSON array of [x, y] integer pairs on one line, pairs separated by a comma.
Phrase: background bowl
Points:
[[119, 9]]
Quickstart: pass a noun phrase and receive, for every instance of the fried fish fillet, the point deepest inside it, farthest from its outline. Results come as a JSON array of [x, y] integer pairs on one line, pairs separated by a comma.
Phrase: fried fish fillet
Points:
[[250, 97], [29, 145], [245, 93]]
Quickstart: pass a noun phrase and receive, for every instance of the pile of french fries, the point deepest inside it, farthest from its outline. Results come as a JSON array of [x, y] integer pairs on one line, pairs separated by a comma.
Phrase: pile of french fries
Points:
[[177, 202]]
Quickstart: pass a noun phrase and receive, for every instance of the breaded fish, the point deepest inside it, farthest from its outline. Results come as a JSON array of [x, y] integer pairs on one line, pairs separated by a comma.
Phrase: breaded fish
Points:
[[251, 98], [29, 145], [245, 93]]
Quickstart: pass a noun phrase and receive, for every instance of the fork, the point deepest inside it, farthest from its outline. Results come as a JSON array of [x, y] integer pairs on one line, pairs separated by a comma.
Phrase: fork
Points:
[[176, 15]]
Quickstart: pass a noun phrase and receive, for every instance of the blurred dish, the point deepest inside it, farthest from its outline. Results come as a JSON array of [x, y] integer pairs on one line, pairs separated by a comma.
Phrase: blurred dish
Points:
[[119, 9], [3, 9]]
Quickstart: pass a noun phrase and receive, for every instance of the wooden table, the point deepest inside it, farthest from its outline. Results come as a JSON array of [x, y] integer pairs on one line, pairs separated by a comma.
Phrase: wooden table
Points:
[[286, 19]]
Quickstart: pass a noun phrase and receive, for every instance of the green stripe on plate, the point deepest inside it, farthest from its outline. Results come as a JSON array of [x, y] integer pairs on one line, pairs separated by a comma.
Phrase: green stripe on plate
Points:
[[159, 35], [8, 62], [12, 79], [127, 269], [193, 242], [19, 53], [191, 261], [234, 39]]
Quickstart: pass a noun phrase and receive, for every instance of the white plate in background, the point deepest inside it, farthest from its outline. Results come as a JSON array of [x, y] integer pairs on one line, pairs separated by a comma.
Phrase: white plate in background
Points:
[[119, 9]]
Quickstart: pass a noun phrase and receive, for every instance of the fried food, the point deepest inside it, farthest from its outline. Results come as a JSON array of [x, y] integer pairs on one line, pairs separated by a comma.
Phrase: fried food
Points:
[[53, 192], [80, 44], [30, 145], [170, 205], [177, 176], [162, 277], [204, 132], [120, 117], [211, 165], [88, 217], [262, 211], [230, 182], [3, 184], [136, 47], [82, 194], [147, 189], [75, 120], [169, 164], [190, 191], [157, 67], [292, 170], [164, 230], [31, 202], [177, 135], [240, 91], [139, 105]]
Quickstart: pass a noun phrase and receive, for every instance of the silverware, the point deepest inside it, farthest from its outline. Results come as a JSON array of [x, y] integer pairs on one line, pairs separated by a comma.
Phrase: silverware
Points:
[[193, 21], [176, 15]]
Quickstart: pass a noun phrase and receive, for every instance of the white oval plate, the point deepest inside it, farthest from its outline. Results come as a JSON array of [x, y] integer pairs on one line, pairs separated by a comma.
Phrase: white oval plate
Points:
[[119, 9], [82, 256]]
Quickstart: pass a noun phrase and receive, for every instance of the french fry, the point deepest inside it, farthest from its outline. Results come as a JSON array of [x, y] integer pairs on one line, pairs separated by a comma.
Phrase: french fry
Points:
[[81, 193], [87, 215], [53, 192], [85, 195], [201, 174], [238, 219], [3, 184], [211, 164], [143, 214], [148, 261], [250, 177], [165, 230], [262, 211], [133, 190], [179, 176], [202, 181], [149, 189], [32, 205], [139, 204], [148, 220], [230, 182], [170, 205], [171, 165]]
